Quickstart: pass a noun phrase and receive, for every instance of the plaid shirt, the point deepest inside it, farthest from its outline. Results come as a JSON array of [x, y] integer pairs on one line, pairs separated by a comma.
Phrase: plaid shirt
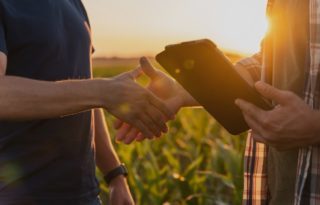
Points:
[[307, 190]]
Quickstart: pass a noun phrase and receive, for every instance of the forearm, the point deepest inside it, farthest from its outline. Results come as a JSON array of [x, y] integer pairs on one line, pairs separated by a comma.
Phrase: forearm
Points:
[[181, 102], [106, 157], [25, 99]]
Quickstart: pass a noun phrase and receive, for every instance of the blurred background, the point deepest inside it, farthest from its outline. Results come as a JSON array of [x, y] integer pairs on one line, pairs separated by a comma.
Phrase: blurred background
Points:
[[197, 162], [144, 27]]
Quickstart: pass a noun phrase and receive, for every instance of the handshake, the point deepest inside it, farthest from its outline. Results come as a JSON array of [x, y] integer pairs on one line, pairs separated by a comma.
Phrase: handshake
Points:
[[143, 112]]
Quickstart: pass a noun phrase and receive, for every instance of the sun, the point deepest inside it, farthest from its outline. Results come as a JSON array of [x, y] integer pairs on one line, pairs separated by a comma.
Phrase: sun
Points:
[[241, 26]]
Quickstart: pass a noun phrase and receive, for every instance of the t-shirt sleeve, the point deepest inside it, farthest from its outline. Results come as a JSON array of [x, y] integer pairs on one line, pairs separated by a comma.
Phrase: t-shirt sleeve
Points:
[[3, 43], [85, 13]]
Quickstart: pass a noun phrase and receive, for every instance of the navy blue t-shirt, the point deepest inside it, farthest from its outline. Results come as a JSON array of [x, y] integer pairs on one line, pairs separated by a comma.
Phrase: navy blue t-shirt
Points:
[[49, 161]]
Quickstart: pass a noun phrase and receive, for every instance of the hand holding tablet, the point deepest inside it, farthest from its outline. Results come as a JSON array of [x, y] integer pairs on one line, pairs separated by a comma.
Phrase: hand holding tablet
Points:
[[202, 69], [208, 76]]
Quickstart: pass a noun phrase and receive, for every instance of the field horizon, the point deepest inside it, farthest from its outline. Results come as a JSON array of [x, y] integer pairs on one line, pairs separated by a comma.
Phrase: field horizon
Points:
[[106, 62]]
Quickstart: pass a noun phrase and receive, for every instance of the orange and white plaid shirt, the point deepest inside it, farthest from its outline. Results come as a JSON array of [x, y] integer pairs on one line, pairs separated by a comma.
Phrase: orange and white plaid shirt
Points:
[[307, 191]]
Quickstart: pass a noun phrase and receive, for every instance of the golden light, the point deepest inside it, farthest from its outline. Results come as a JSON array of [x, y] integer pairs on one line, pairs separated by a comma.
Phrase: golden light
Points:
[[144, 27]]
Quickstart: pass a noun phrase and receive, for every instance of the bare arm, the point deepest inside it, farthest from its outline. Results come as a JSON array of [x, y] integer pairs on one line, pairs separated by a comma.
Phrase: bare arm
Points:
[[107, 160], [24, 99], [106, 157]]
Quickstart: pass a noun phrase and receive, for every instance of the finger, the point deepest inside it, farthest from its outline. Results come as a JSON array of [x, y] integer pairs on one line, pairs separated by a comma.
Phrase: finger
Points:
[[251, 110], [160, 136], [122, 132], [253, 124], [147, 68], [148, 122], [144, 128], [135, 73], [271, 92], [131, 136], [117, 124], [140, 137], [157, 118], [160, 105]]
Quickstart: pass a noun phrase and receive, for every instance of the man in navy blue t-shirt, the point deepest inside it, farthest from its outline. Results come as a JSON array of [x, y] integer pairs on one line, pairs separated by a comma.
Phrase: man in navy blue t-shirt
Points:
[[51, 123]]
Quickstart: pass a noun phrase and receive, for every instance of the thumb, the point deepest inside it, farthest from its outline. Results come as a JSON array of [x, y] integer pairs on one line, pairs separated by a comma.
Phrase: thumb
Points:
[[147, 68], [135, 73], [271, 92]]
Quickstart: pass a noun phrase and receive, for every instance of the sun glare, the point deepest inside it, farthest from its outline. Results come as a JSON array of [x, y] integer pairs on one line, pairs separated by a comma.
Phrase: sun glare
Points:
[[241, 27], [126, 28]]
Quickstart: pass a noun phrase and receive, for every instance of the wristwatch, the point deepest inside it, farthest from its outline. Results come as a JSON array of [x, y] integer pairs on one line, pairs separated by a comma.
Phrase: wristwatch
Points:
[[120, 170]]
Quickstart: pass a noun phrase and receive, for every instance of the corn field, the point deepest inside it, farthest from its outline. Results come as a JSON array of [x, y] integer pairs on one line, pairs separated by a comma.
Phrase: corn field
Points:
[[196, 163]]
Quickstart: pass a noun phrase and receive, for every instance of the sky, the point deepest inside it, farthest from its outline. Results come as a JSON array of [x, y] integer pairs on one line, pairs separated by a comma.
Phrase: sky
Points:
[[131, 28]]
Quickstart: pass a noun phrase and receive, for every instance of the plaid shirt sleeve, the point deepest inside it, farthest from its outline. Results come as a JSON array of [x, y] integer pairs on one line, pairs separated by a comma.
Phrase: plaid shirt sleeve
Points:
[[251, 66], [255, 190], [307, 190]]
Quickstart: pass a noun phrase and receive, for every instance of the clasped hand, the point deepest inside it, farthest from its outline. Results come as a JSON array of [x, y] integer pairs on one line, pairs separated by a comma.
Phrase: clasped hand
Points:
[[165, 88], [136, 105], [291, 124]]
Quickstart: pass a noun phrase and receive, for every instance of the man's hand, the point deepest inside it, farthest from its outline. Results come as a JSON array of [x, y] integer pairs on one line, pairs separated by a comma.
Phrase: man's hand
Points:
[[135, 105], [164, 87], [119, 192], [291, 124]]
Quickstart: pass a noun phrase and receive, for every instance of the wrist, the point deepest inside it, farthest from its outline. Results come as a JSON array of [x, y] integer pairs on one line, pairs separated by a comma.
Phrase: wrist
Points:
[[187, 100], [101, 89], [174, 104], [118, 181], [84, 93], [116, 175]]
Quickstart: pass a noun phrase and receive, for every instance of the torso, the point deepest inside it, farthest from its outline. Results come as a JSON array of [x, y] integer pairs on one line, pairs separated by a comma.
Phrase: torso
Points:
[[51, 160]]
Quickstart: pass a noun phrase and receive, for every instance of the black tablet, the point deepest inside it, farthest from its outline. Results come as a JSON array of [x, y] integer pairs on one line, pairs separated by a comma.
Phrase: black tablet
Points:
[[209, 76]]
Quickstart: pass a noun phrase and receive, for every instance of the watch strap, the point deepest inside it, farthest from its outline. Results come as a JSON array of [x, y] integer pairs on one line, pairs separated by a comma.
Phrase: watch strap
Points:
[[120, 170]]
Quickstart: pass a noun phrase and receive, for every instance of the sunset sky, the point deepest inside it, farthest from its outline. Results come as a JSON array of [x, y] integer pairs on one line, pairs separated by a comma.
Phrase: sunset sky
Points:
[[130, 28]]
